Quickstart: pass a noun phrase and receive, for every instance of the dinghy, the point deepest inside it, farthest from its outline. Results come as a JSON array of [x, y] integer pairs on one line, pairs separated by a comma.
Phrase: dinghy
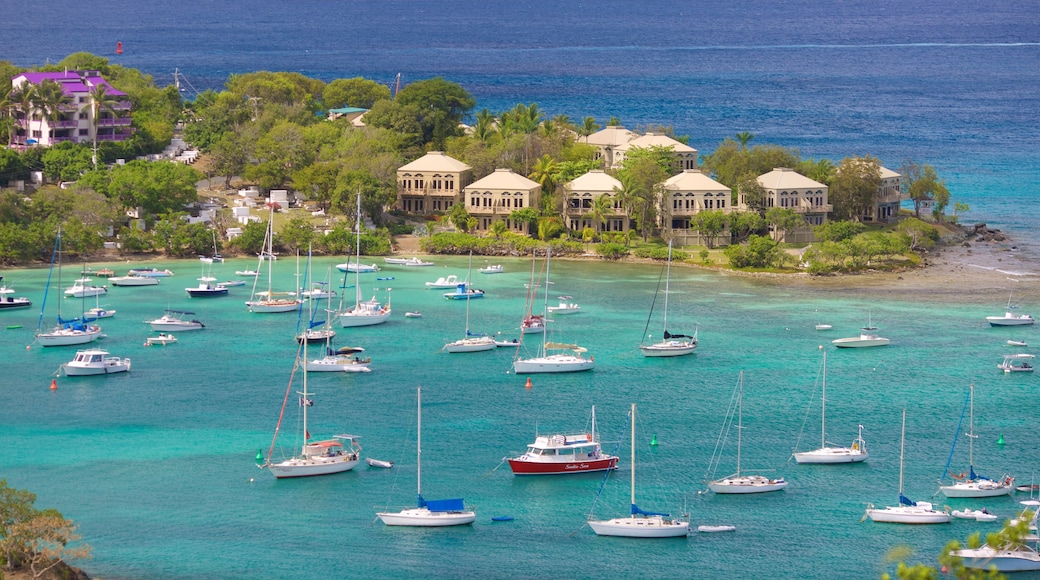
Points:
[[379, 463], [712, 529]]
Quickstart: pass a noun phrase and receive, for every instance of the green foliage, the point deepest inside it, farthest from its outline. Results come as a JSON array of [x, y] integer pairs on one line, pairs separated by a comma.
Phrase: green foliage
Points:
[[294, 236], [783, 220], [659, 253], [612, 250], [435, 107], [180, 239], [135, 241], [251, 240], [66, 161], [742, 224], [836, 231], [156, 188], [704, 256], [710, 224], [758, 252], [731, 161], [459, 217], [855, 187], [356, 92], [549, 228], [32, 538]]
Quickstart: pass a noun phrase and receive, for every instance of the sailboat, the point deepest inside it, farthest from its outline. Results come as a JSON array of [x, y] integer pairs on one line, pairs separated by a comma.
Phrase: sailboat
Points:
[[215, 257], [907, 512], [267, 301], [739, 483], [338, 454], [532, 323], [363, 313], [670, 344], [640, 524], [974, 485], [829, 454], [332, 361], [66, 332], [471, 342], [428, 513], [560, 362]]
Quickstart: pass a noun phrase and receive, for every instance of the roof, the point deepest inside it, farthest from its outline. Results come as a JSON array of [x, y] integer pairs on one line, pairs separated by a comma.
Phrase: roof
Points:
[[611, 136], [657, 140], [785, 178], [595, 180], [887, 173], [504, 179], [435, 161], [348, 110], [693, 180], [72, 81]]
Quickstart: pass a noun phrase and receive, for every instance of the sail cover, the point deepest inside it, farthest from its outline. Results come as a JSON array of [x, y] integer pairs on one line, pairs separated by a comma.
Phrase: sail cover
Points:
[[638, 512], [443, 505], [668, 335], [906, 501]]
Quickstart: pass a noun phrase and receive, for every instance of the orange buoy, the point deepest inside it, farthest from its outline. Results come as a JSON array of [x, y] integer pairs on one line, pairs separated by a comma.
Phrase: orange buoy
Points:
[[119, 47], [54, 384], [528, 385]]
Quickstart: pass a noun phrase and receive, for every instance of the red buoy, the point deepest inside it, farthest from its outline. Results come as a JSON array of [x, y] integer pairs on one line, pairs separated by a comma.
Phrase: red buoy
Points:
[[528, 385], [54, 384], [119, 47]]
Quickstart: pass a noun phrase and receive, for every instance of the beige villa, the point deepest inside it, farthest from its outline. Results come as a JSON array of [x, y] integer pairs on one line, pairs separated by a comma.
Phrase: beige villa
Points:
[[685, 156], [688, 194], [890, 195], [786, 188], [431, 183], [583, 192], [607, 140], [495, 196]]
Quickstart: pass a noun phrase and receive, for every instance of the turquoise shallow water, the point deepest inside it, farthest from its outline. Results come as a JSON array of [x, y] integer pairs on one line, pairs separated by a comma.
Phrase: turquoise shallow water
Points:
[[157, 465]]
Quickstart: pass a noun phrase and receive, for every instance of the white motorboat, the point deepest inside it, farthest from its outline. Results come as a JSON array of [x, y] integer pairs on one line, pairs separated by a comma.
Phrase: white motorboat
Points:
[[867, 337], [464, 292], [379, 463], [413, 261], [9, 303], [981, 515], [671, 344], [318, 291], [428, 513], [562, 454], [491, 269], [83, 288], [231, 283], [66, 332], [549, 359], [247, 273], [450, 281], [738, 483], [1021, 557], [829, 454], [908, 511], [206, 289], [95, 362], [641, 524], [1010, 318], [133, 281], [507, 343], [333, 363], [1016, 343], [149, 272], [364, 312], [715, 529], [357, 268], [268, 301], [413, 314], [172, 320], [565, 308], [1017, 363], [969, 483], [163, 339]]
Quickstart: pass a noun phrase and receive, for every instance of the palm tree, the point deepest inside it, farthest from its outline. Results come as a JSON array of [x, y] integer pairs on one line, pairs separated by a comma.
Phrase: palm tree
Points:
[[24, 101], [631, 194], [563, 122], [744, 138], [51, 99], [101, 101], [498, 228], [485, 127], [543, 172], [588, 127], [602, 206]]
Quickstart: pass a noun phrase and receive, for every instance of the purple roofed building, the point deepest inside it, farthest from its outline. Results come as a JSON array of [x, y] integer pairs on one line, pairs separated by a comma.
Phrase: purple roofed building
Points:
[[77, 119]]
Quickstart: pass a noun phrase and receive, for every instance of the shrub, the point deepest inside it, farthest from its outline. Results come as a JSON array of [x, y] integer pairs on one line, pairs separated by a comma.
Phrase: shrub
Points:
[[612, 251]]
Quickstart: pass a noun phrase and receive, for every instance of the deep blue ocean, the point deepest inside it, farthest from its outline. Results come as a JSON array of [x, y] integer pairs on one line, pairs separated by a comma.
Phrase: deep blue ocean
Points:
[[157, 466]]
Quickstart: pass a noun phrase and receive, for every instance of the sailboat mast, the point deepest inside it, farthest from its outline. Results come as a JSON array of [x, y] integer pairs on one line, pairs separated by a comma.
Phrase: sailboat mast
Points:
[[594, 423], [823, 404], [971, 428], [667, 280], [305, 401], [357, 263], [633, 454], [902, 446], [418, 442], [545, 306], [468, 294], [270, 252], [740, 418]]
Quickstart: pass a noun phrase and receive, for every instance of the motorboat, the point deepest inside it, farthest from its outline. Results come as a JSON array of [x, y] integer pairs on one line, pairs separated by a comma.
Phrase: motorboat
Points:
[[823, 327], [413, 314], [413, 261], [206, 289], [133, 281], [867, 337], [9, 303], [318, 291], [969, 483], [739, 483], [670, 344], [95, 362], [907, 511], [231, 283], [1019, 557], [149, 272], [450, 281], [333, 363], [247, 273], [640, 524], [565, 308], [830, 454], [162, 339], [215, 258], [563, 454], [379, 463], [1017, 363], [491, 269], [83, 288], [532, 324], [1010, 318], [463, 292], [980, 515], [357, 267], [172, 320], [715, 529], [98, 312], [1016, 343], [507, 343]]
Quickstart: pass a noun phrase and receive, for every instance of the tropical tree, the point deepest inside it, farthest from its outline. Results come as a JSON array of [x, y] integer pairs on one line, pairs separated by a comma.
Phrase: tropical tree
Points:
[[744, 138], [543, 172], [355, 92], [855, 186], [602, 206], [710, 224], [549, 228], [498, 228], [588, 127], [51, 100], [838, 230], [783, 220], [485, 127], [459, 217], [922, 183]]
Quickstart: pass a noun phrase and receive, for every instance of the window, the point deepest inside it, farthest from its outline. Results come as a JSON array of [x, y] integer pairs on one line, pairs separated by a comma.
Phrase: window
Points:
[[82, 99], [83, 115], [473, 201], [82, 132], [520, 202]]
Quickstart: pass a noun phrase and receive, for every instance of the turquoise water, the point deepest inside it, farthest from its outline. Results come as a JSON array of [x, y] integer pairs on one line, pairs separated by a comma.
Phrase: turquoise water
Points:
[[157, 465]]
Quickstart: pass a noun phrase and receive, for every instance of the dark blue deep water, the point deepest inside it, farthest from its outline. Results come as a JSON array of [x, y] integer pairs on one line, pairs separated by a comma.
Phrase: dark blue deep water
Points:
[[156, 466]]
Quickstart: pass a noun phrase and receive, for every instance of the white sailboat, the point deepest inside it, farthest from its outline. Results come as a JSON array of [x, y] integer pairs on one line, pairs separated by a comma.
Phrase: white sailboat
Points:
[[428, 513], [558, 362], [364, 312], [471, 342], [267, 302], [971, 484], [907, 512], [66, 332], [336, 455], [829, 454], [670, 344], [640, 524], [738, 482]]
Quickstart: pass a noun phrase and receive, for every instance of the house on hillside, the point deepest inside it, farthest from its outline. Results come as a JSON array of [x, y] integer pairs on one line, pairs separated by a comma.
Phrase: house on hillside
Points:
[[889, 197], [789, 189], [77, 119], [495, 196], [688, 194], [581, 196], [607, 140], [431, 183], [685, 156]]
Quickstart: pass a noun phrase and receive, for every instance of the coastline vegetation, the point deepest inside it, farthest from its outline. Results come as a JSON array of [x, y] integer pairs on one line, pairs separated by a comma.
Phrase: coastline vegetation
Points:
[[271, 130]]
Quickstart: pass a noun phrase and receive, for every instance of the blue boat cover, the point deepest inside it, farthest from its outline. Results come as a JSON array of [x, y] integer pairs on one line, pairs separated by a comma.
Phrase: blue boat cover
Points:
[[443, 505], [906, 501], [638, 512]]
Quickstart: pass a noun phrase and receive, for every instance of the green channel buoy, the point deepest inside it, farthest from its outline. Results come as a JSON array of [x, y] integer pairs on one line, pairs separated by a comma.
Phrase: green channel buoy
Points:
[[653, 440], [1000, 441], [259, 455]]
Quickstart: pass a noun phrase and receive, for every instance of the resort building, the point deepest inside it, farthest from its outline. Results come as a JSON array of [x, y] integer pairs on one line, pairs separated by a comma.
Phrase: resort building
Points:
[[75, 114], [890, 195], [685, 156], [607, 140], [352, 115], [688, 194], [582, 194], [789, 189], [499, 194], [431, 183]]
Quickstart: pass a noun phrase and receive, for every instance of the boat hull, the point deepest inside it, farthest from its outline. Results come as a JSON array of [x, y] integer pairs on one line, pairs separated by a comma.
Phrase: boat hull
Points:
[[553, 364], [14, 303], [133, 281], [907, 515], [311, 466], [468, 345], [1002, 321], [336, 364], [520, 467], [736, 487], [860, 342], [985, 558], [646, 527], [830, 455], [669, 348], [68, 337], [424, 518], [86, 292], [206, 292], [109, 367], [265, 307], [363, 318], [973, 490], [171, 327]]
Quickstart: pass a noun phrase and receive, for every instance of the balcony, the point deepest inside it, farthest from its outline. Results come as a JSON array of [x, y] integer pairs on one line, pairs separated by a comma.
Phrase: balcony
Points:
[[806, 209], [121, 121], [117, 137], [65, 124]]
